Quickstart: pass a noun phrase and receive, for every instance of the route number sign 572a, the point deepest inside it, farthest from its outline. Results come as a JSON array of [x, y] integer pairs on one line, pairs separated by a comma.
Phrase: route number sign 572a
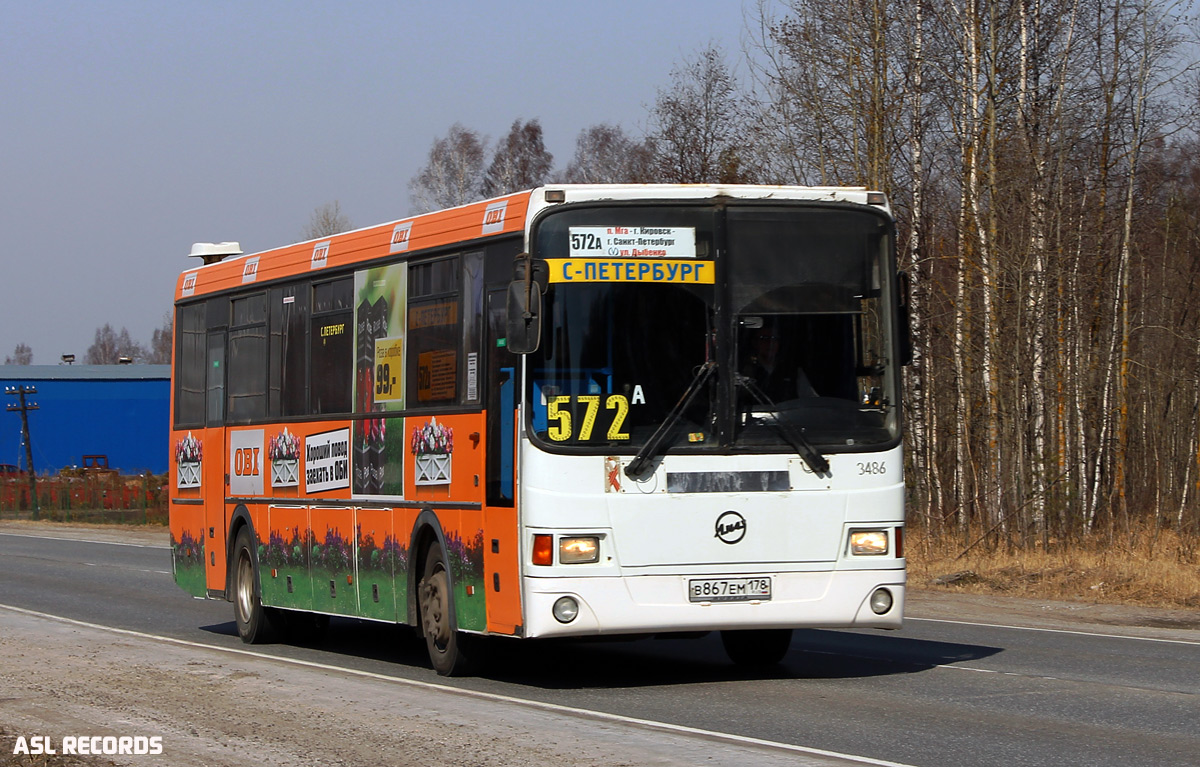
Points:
[[561, 409]]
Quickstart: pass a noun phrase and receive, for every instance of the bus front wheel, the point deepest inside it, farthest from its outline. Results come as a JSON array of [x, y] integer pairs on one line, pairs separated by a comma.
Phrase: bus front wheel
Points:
[[757, 647], [449, 650], [254, 622]]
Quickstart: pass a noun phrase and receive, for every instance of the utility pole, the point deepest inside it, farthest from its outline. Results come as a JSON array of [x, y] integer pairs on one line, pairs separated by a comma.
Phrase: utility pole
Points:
[[24, 408]]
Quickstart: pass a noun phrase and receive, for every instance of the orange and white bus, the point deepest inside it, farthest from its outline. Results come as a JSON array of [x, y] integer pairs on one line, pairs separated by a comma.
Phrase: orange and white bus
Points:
[[571, 411]]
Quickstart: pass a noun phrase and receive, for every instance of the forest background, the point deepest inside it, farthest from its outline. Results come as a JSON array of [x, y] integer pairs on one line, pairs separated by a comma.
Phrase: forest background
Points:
[[1041, 157]]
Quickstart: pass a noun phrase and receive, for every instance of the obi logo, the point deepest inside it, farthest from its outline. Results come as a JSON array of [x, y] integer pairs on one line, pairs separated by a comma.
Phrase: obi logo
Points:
[[189, 284], [320, 255], [731, 527], [246, 457], [493, 217], [400, 236], [246, 462], [250, 270]]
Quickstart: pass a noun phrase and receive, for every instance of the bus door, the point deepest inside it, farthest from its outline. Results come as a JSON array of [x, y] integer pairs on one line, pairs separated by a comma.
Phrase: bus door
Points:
[[501, 550], [215, 479]]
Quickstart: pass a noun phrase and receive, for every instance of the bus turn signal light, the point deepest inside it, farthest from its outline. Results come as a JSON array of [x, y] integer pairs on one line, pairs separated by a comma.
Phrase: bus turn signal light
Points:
[[543, 549]]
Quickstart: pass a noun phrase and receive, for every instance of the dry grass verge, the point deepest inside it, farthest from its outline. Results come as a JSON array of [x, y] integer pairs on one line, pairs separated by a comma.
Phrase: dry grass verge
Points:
[[1140, 568]]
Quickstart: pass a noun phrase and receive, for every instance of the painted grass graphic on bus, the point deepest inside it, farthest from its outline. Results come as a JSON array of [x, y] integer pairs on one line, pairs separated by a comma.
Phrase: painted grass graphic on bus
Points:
[[378, 590], [282, 557], [188, 555], [382, 576], [331, 563], [321, 571], [465, 562]]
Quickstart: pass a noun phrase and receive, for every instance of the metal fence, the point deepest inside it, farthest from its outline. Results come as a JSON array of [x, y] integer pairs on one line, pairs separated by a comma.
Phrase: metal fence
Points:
[[104, 498]]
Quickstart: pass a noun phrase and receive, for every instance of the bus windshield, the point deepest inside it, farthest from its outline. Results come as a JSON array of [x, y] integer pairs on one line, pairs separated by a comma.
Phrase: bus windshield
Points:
[[787, 304]]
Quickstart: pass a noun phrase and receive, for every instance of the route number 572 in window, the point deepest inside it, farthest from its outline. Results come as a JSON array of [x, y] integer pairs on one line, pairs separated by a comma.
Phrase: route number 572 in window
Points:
[[562, 416]]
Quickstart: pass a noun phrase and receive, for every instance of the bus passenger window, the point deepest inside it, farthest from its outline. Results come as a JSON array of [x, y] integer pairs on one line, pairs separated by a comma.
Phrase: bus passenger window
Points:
[[331, 348], [434, 333], [246, 365], [190, 357]]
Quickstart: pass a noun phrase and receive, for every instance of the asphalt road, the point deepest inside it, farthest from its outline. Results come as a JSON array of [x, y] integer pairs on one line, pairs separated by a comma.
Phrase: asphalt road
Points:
[[943, 691]]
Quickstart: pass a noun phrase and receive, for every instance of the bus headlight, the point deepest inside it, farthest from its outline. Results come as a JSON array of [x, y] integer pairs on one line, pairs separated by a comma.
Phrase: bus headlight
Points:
[[881, 601], [579, 550], [868, 542], [566, 609]]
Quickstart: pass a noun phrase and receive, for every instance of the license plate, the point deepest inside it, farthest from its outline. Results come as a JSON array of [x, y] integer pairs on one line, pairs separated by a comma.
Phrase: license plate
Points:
[[729, 589]]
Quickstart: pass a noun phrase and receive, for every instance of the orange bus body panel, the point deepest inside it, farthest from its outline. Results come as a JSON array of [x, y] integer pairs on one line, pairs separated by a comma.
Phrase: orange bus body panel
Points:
[[321, 546], [448, 227]]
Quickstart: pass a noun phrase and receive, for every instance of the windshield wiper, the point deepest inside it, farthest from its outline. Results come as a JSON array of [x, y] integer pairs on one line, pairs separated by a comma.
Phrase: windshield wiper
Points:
[[794, 436], [641, 461]]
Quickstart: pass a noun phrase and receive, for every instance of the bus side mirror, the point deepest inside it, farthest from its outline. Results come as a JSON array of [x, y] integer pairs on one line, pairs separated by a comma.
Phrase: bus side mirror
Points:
[[904, 289], [538, 270], [524, 316]]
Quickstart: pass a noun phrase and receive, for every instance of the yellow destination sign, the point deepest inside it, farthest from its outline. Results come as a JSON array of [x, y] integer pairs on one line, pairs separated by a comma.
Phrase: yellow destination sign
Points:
[[674, 270]]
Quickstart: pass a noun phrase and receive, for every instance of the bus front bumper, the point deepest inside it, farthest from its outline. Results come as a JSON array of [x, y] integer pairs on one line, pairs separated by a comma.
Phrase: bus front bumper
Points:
[[650, 604]]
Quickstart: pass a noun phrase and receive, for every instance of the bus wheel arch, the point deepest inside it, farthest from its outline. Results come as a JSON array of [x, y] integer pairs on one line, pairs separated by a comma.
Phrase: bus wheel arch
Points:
[[426, 531], [255, 624], [239, 520], [431, 600]]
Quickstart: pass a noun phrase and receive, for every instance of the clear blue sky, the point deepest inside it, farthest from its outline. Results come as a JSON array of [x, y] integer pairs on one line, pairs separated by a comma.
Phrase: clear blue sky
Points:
[[130, 130]]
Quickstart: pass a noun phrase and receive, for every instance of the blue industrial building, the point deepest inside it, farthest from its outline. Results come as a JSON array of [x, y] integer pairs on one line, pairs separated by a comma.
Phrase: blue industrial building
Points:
[[121, 411]]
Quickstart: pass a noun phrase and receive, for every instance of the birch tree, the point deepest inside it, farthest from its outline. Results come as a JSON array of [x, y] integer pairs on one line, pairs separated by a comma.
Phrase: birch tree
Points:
[[453, 173], [520, 161]]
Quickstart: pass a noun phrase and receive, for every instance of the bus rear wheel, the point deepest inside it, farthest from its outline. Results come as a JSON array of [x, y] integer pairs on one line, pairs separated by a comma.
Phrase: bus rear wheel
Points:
[[449, 650], [757, 648], [255, 623]]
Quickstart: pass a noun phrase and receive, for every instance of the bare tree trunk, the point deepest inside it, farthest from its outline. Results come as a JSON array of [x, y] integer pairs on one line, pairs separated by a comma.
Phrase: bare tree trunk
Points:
[[924, 432]]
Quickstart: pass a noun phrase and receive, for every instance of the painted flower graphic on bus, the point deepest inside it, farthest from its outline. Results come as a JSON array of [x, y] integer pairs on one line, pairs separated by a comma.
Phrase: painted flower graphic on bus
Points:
[[431, 446], [284, 446], [188, 450], [188, 455], [284, 452], [432, 438]]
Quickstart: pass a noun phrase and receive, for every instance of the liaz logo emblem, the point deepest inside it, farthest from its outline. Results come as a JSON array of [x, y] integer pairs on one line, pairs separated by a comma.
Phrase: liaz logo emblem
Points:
[[320, 255], [400, 237], [493, 217], [250, 270], [189, 284], [731, 527]]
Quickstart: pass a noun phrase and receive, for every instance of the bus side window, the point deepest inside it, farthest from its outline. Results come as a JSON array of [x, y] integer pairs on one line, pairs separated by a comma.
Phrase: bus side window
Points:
[[217, 316], [472, 309], [434, 335], [191, 354], [293, 348], [331, 347], [215, 382], [246, 375]]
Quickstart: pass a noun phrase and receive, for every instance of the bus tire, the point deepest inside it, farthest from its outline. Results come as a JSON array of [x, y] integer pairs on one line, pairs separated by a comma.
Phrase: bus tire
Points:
[[757, 648], [449, 649], [254, 622]]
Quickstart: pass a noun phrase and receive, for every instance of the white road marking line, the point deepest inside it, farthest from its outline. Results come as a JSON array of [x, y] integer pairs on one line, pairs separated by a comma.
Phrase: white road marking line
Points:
[[132, 569], [551, 707], [1058, 631], [84, 540]]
